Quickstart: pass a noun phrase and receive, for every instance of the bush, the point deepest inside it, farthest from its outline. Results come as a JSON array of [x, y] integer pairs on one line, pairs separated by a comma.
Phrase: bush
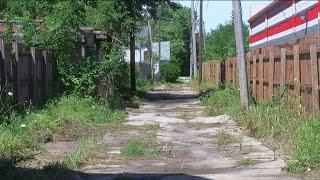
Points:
[[170, 72]]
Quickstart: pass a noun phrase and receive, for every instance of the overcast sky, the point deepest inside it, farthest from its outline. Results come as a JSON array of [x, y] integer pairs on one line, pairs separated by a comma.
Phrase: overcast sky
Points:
[[219, 11]]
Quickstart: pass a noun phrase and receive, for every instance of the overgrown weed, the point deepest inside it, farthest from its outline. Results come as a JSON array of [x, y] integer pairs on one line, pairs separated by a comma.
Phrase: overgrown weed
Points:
[[64, 116], [282, 120]]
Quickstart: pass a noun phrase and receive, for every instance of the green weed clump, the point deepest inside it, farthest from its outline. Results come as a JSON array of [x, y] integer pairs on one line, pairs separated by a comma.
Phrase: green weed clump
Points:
[[223, 138], [64, 116], [281, 121], [139, 147]]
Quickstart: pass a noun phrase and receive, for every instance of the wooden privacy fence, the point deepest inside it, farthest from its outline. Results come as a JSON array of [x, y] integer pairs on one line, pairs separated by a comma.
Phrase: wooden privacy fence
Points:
[[294, 67], [212, 71]]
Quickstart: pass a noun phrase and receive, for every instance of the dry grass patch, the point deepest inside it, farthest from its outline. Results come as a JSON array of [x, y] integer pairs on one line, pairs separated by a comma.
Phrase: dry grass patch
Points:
[[223, 138]]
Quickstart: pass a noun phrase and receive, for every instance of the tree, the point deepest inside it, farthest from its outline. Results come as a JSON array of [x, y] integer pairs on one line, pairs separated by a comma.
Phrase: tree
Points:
[[221, 44], [175, 27], [59, 31]]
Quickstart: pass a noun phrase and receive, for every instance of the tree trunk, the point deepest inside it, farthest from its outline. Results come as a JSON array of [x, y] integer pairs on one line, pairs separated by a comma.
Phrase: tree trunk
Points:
[[132, 61], [243, 80]]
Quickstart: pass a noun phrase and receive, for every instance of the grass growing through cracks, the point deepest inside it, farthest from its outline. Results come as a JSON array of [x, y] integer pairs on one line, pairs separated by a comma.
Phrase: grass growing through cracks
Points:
[[223, 138], [140, 147], [282, 120]]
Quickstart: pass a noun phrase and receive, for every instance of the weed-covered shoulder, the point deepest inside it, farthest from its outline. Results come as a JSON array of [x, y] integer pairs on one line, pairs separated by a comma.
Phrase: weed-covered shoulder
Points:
[[63, 116], [282, 122]]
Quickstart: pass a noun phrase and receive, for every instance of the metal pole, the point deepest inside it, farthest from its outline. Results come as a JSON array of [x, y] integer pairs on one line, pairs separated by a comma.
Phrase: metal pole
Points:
[[243, 80]]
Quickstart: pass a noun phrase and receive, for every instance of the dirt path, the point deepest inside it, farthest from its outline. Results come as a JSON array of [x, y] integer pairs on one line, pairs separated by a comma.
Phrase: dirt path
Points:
[[192, 146]]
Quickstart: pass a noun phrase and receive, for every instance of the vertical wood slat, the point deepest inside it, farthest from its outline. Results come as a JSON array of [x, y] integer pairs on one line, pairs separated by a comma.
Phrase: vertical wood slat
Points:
[[228, 72], [283, 66], [254, 75], [314, 77], [15, 72], [296, 71], [260, 93], [271, 73], [2, 66]]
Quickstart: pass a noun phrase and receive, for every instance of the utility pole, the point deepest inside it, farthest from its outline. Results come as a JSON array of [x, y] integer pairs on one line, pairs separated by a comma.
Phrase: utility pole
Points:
[[191, 54], [159, 31], [150, 44], [201, 42], [238, 28], [194, 45]]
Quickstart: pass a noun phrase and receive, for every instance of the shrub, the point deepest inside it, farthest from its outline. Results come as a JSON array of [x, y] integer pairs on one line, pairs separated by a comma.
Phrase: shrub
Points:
[[170, 72]]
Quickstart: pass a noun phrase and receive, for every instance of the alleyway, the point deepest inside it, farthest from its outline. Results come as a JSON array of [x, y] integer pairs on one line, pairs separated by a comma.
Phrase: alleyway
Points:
[[192, 146]]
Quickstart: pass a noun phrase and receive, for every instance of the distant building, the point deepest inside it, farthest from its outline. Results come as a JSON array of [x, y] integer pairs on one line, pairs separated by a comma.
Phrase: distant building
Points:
[[141, 52], [283, 21]]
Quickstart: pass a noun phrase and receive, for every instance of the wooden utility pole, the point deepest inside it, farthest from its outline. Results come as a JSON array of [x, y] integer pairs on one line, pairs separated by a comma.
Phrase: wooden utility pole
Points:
[[159, 33], [150, 54], [201, 42], [191, 54], [132, 60], [243, 79], [194, 45]]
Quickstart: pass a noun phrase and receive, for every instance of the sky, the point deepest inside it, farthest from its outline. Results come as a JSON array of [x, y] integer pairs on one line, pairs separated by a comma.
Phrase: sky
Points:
[[219, 11]]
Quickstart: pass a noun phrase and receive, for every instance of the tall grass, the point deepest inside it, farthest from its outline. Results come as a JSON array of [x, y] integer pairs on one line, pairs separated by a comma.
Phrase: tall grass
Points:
[[68, 114], [281, 121]]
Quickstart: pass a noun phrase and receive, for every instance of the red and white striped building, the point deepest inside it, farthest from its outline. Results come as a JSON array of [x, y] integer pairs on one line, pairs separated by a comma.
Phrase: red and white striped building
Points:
[[284, 21]]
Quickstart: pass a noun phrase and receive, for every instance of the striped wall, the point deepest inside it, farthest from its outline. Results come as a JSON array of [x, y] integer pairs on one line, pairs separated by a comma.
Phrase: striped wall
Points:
[[284, 21]]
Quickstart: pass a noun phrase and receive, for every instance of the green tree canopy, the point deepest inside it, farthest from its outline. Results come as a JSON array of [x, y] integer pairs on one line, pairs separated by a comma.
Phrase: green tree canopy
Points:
[[175, 27], [221, 43]]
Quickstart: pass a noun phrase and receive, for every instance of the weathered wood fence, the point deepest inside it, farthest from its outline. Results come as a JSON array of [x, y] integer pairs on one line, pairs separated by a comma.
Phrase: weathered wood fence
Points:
[[30, 74], [294, 67], [27, 72], [212, 71]]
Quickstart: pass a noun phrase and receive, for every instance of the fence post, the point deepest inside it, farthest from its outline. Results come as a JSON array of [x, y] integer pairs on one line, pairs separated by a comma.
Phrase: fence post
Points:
[[314, 77], [254, 76], [296, 70], [271, 72], [283, 67], [260, 93]]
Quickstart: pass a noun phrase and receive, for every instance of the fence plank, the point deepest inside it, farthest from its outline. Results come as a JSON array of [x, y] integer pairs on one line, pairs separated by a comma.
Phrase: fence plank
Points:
[[260, 93], [271, 72], [2, 66], [234, 72], [254, 75], [314, 77], [296, 70], [283, 66]]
